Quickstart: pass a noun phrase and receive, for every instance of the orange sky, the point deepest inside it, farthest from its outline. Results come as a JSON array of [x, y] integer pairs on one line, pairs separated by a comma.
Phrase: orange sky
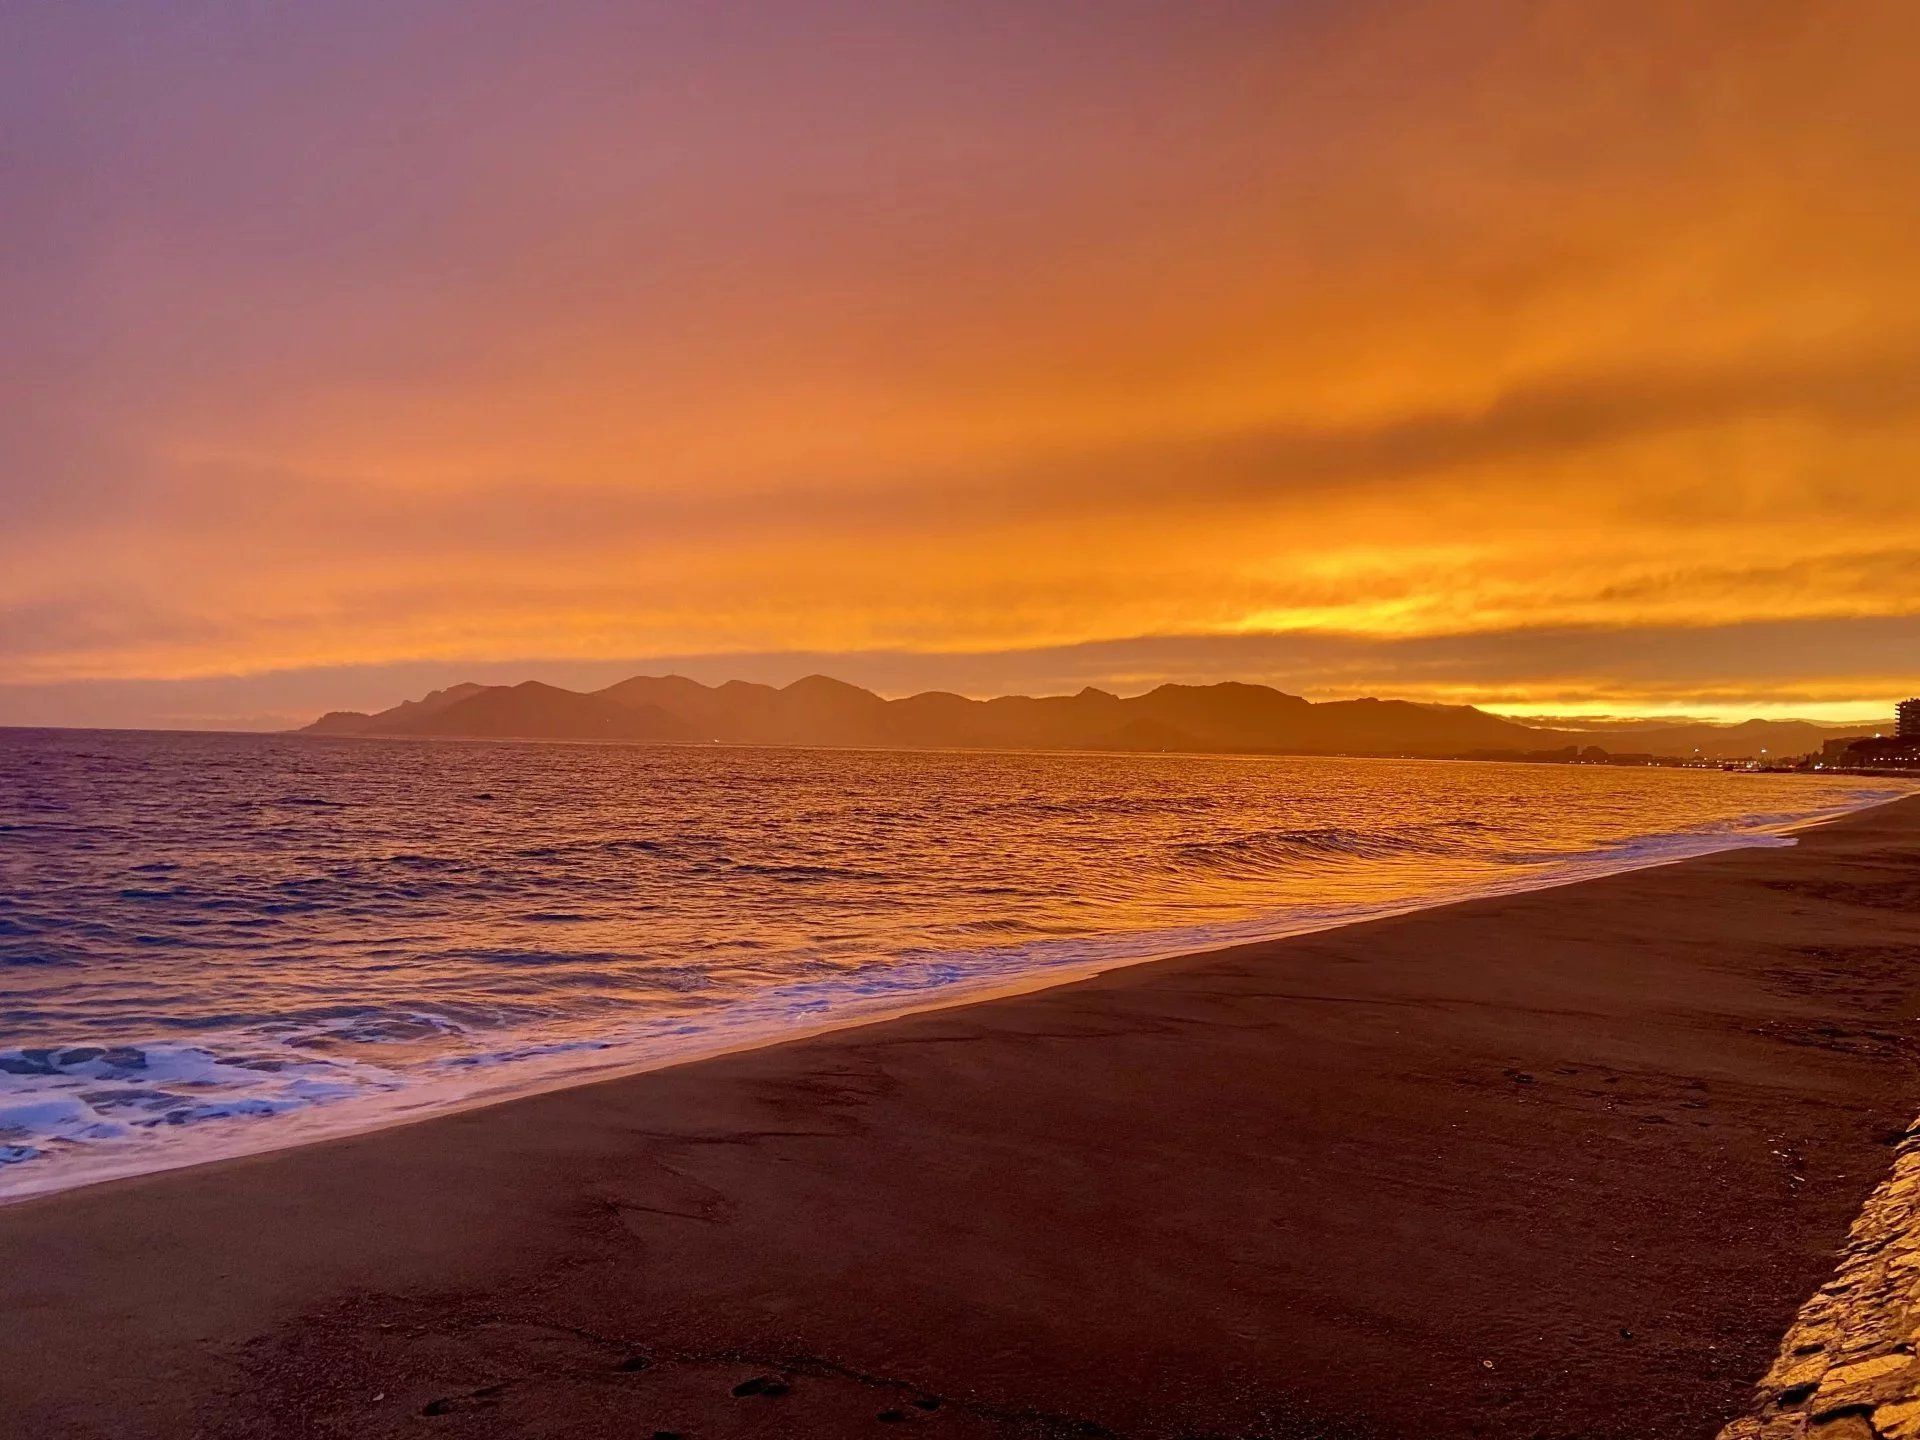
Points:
[[1553, 356]]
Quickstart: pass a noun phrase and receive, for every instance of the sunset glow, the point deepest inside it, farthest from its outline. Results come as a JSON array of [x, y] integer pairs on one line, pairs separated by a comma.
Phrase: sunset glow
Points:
[[1560, 358]]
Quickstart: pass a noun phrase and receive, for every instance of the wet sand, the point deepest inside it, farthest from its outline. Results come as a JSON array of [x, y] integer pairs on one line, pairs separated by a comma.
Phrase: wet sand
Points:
[[1560, 1164]]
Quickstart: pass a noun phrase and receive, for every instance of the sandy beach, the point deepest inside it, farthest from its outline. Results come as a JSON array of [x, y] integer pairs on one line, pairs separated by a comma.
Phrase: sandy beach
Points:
[[1560, 1164]]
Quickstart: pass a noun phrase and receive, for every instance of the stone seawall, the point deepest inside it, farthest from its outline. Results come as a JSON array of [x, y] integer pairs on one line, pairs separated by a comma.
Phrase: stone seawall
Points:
[[1847, 1368]]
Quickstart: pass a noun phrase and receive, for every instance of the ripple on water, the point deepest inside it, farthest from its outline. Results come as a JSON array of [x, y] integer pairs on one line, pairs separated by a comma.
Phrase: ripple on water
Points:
[[213, 939]]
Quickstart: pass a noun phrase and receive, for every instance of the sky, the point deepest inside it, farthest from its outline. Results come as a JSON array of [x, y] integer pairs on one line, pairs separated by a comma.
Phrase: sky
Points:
[[1562, 358]]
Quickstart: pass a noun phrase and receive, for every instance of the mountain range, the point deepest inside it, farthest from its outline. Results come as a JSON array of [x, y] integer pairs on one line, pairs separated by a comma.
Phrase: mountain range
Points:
[[1195, 718]]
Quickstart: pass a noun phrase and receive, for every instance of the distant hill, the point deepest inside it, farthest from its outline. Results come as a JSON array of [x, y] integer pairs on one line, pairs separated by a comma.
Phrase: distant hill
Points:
[[529, 711], [1724, 742], [1224, 717], [352, 722]]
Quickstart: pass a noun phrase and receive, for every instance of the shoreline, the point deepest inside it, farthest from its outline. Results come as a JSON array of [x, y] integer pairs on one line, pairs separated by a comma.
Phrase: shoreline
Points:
[[416, 1105], [1563, 1162], [1729, 765]]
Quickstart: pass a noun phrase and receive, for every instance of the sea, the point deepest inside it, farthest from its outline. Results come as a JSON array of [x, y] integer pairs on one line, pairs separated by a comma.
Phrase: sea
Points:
[[212, 944]]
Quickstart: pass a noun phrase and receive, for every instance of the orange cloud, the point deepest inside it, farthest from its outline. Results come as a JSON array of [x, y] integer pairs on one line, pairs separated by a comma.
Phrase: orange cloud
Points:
[[650, 334]]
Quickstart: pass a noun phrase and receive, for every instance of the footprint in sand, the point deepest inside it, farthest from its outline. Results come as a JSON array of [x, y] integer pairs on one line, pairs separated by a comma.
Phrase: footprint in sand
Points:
[[769, 1385], [472, 1400]]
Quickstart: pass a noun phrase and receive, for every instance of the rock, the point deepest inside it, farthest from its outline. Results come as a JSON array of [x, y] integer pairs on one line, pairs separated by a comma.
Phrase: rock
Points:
[[1863, 1384]]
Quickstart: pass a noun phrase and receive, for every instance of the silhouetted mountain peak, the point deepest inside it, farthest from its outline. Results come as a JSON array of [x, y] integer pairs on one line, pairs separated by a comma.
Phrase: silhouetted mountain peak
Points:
[[820, 710], [827, 686]]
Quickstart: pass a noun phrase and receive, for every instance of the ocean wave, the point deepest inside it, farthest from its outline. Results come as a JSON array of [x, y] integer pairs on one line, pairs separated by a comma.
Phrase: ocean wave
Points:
[[59, 1097], [1264, 849], [803, 874]]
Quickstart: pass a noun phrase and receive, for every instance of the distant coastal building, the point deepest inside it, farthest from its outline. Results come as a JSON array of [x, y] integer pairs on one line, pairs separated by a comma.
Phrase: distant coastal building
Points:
[[1898, 751]]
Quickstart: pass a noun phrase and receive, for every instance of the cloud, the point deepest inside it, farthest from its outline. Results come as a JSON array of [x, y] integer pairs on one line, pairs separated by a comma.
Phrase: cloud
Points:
[[447, 336], [1835, 667]]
